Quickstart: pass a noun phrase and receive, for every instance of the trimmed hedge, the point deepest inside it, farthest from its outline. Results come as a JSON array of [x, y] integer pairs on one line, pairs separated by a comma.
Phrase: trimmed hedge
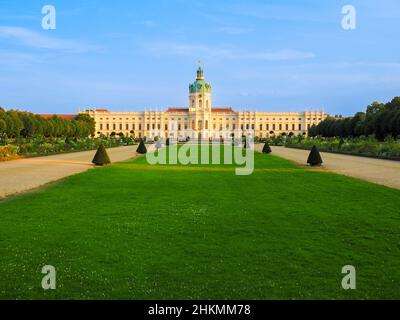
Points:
[[366, 147]]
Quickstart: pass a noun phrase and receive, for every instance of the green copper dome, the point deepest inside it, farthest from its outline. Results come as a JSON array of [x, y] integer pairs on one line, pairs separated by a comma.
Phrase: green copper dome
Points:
[[200, 85]]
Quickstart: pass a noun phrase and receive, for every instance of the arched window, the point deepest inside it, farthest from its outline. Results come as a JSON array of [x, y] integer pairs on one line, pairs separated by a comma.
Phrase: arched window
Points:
[[200, 103]]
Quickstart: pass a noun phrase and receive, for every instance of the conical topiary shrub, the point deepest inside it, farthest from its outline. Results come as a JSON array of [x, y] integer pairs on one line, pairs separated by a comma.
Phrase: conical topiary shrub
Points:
[[142, 148], [314, 159], [167, 142], [101, 157], [267, 148]]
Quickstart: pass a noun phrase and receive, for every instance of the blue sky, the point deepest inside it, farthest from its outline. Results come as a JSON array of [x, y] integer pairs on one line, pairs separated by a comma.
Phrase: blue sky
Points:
[[259, 55]]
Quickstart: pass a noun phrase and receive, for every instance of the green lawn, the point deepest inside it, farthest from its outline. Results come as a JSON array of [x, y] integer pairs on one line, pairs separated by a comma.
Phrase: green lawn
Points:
[[135, 231]]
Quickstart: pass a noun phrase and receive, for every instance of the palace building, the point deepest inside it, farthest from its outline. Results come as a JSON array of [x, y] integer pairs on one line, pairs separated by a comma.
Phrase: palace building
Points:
[[202, 119]]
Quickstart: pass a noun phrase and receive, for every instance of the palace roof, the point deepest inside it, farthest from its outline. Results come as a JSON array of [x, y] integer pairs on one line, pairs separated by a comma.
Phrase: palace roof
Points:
[[223, 110], [175, 110]]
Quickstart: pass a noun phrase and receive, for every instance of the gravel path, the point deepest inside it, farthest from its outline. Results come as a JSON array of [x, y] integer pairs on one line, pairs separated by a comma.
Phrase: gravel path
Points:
[[384, 172], [19, 176], [22, 175]]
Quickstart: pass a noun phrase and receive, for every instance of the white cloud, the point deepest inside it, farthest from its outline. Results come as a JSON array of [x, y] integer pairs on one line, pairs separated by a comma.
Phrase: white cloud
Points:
[[148, 23], [37, 40], [198, 50]]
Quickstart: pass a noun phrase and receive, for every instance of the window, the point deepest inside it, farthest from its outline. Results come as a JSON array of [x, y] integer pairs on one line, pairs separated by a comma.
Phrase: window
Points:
[[293, 127], [280, 127], [261, 127], [133, 126], [120, 126], [148, 126], [114, 126], [166, 127], [108, 126], [140, 126], [127, 126], [299, 127], [287, 127], [273, 127], [101, 126]]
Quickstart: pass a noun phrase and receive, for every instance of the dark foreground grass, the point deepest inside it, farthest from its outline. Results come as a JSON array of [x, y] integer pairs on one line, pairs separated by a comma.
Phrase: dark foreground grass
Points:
[[132, 231]]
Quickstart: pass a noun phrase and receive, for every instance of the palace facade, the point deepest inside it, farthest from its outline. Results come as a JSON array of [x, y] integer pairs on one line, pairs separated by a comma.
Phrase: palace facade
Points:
[[202, 120]]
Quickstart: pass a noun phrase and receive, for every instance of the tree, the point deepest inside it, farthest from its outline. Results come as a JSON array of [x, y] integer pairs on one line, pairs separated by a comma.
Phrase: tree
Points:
[[141, 148], [266, 148], [14, 124], [89, 122], [2, 126], [101, 157], [167, 142], [314, 159]]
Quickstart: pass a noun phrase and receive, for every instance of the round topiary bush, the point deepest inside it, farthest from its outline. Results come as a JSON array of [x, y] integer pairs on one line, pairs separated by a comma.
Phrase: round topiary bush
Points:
[[141, 148], [314, 159], [101, 157]]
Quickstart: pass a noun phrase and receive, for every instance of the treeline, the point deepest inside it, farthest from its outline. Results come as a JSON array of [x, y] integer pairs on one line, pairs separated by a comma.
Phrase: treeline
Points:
[[15, 124], [380, 120]]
